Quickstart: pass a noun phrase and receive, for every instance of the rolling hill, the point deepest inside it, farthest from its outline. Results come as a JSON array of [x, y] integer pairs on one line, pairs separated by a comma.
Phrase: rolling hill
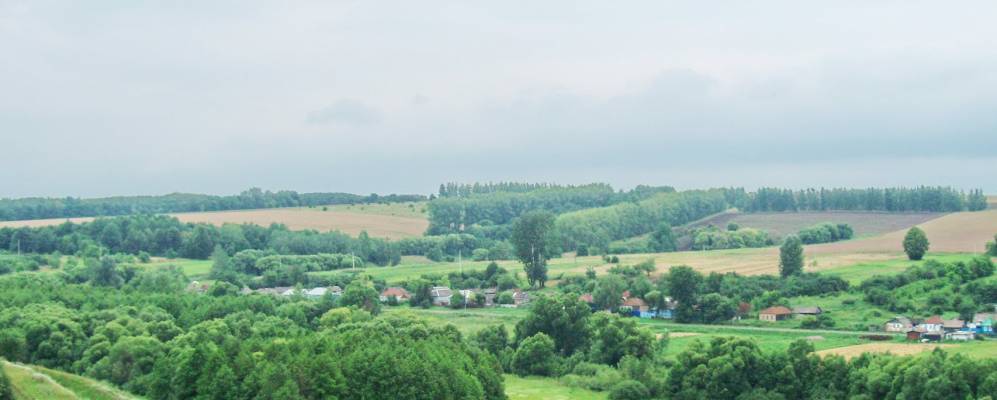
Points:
[[39, 383]]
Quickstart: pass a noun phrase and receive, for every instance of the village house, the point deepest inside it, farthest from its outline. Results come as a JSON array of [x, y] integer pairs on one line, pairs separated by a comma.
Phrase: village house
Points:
[[638, 307], [316, 293], [520, 297], [898, 324], [772, 314], [960, 335], [398, 293], [799, 312], [441, 295], [932, 324], [983, 323], [952, 325]]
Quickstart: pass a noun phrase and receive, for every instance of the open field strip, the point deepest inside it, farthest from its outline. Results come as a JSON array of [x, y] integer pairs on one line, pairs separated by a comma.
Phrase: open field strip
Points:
[[538, 388], [392, 221], [29, 384], [900, 349]]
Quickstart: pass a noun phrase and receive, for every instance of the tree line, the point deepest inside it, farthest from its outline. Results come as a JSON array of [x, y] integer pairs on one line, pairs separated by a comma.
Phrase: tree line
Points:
[[68, 207], [898, 199]]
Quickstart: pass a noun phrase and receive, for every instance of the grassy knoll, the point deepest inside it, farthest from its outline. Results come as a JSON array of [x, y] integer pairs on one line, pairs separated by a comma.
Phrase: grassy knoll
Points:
[[536, 388], [84, 388]]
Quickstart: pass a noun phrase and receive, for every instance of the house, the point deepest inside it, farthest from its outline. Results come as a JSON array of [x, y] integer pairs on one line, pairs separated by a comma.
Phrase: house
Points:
[[772, 314], [983, 323], [587, 298], [398, 293], [952, 325], [336, 291], [197, 287], [490, 295], [898, 324], [441, 295], [289, 292], [932, 324], [800, 312], [931, 337], [637, 306], [316, 293], [914, 335], [960, 336], [274, 291], [520, 297], [669, 310]]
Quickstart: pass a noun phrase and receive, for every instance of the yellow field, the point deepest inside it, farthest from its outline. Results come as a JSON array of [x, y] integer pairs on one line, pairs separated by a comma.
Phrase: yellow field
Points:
[[900, 349], [956, 232], [393, 221]]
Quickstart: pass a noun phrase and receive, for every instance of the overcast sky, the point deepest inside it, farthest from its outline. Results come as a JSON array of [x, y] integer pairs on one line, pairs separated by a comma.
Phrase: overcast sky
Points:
[[144, 97]]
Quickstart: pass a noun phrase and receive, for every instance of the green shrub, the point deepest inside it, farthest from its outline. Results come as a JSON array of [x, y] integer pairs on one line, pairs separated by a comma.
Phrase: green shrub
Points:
[[535, 356], [629, 390], [915, 243], [6, 391]]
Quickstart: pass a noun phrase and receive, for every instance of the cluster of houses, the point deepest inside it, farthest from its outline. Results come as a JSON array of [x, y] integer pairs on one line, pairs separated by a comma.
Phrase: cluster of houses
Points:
[[935, 328], [635, 306], [313, 293], [442, 295]]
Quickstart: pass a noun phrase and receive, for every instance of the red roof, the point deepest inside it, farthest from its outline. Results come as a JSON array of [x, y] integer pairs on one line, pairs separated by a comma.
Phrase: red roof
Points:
[[935, 320], [586, 297], [395, 291], [626, 294], [777, 310], [634, 302]]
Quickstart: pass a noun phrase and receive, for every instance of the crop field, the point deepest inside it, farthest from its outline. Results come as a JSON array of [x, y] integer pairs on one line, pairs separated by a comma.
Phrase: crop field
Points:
[[780, 224], [392, 221], [900, 349], [956, 232]]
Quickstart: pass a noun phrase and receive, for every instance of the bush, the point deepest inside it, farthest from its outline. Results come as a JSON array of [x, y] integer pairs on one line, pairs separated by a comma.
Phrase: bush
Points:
[[582, 251], [915, 243], [992, 247], [535, 356], [629, 390]]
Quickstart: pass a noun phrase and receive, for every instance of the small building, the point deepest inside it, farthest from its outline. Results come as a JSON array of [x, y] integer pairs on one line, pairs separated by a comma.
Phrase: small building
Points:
[[898, 324], [953, 325], [398, 293], [490, 295], [960, 335], [336, 291], [800, 312], [587, 298], [441, 295], [983, 323], [638, 308], [914, 335], [290, 292], [931, 337], [520, 297], [933, 324], [772, 314]]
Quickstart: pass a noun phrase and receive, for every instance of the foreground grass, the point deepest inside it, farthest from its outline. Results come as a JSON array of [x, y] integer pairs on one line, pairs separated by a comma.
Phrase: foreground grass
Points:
[[536, 388], [84, 388], [31, 385]]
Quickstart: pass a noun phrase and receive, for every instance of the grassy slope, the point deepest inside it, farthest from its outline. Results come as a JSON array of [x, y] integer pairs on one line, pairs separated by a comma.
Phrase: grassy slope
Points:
[[34, 382]]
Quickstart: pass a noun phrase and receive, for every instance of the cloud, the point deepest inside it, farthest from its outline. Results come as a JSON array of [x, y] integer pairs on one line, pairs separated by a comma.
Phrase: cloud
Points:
[[348, 112]]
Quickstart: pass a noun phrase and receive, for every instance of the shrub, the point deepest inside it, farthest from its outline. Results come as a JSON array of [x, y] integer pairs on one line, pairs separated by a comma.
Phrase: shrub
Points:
[[6, 391], [992, 247], [582, 251], [915, 243], [629, 390], [535, 356]]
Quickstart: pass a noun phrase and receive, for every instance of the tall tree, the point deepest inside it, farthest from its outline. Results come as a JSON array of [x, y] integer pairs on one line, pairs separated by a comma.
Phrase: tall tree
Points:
[[683, 286], [662, 239], [791, 256], [533, 237], [915, 243]]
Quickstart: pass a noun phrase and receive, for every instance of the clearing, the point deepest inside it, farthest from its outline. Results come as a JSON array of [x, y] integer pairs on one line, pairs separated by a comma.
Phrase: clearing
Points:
[[537, 388], [392, 221]]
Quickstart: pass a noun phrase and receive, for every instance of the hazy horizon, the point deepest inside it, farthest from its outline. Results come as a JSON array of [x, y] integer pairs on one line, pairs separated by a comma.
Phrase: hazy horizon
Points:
[[111, 98]]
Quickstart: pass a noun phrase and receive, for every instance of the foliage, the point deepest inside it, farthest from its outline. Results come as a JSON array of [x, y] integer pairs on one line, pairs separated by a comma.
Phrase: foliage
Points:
[[662, 239], [936, 199], [711, 238], [535, 356], [6, 390], [628, 390], [561, 317], [67, 207], [791, 256], [915, 243], [826, 232], [992, 247], [534, 241], [614, 337]]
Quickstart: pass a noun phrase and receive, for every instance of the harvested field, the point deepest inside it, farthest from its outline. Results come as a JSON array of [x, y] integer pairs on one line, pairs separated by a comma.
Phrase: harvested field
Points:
[[956, 232], [681, 334], [393, 221], [780, 224], [900, 349]]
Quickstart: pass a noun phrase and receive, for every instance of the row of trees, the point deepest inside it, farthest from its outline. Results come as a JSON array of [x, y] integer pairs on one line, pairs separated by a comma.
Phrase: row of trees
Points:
[[826, 232], [900, 199], [39, 208], [936, 287]]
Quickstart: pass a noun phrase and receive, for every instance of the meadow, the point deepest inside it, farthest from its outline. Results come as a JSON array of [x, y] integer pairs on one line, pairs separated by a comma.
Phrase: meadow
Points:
[[38, 383]]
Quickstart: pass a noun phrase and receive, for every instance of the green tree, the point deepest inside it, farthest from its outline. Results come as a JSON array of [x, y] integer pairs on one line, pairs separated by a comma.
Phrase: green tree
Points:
[[992, 247], [535, 356], [533, 238], [662, 239], [791, 256], [608, 293], [104, 272], [6, 390], [683, 285], [562, 317], [629, 390], [222, 268], [915, 243], [716, 308], [199, 244], [361, 294], [493, 339]]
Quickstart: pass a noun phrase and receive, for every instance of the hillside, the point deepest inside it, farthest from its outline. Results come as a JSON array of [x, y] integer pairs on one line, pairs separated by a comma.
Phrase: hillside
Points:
[[39, 383], [780, 224], [393, 221]]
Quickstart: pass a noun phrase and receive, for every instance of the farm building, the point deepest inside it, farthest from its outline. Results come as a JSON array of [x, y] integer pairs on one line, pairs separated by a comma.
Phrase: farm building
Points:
[[520, 297], [800, 312], [898, 324], [398, 293], [441, 295], [914, 335], [983, 323], [960, 336], [772, 314], [952, 325]]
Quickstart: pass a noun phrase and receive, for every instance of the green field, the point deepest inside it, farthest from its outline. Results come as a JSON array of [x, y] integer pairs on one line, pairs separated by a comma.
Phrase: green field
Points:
[[857, 273], [535, 388]]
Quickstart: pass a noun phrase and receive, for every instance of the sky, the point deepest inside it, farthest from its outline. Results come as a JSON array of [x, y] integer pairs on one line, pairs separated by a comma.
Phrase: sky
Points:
[[103, 97]]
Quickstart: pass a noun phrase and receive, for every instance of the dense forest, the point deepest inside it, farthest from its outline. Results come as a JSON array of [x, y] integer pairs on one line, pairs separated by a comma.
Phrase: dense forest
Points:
[[922, 198], [40, 208]]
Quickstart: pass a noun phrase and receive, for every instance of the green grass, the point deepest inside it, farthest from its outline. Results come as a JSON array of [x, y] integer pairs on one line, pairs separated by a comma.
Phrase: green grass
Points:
[[31, 385], [536, 388], [84, 388], [857, 273], [194, 269]]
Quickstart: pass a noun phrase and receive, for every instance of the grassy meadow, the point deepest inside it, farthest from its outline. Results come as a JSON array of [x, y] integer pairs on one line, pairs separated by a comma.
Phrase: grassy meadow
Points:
[[537, 388]]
